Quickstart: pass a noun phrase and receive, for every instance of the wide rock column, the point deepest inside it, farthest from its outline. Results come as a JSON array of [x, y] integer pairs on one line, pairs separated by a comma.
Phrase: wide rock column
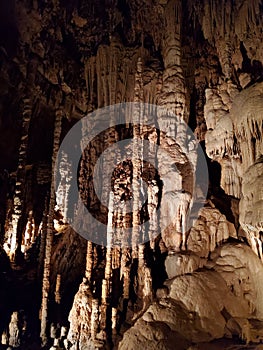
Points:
[[172, 118]]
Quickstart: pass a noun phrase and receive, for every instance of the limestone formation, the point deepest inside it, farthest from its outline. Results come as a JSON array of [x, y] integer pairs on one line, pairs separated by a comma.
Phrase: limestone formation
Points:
[[14, 331], [16, 228], [50, 232], [196, 310], [179, 265]]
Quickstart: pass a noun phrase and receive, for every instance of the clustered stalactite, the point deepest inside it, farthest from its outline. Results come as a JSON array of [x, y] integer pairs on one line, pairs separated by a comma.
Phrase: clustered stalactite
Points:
[[131, 264], [132, 51], [16, 228]]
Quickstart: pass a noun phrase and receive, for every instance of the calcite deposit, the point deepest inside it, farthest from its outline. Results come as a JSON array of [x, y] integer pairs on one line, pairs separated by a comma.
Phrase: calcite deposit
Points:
[[179, 264]]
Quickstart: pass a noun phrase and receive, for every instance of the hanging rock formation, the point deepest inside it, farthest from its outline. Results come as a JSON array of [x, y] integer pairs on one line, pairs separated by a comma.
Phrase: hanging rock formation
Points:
[[180, 264]]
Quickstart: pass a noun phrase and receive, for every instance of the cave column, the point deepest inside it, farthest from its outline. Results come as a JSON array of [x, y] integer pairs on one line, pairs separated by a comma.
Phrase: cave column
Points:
[[50, 230], [172, 119], [106, 282], [136, 160]]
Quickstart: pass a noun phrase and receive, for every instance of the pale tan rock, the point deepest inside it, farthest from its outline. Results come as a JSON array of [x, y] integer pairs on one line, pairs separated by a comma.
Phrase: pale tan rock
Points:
[[242, 270], [209, 231], [180, 264], [4, 338], [196, 302], [251, 205], [14, 331], [80, 317], [244, 79]]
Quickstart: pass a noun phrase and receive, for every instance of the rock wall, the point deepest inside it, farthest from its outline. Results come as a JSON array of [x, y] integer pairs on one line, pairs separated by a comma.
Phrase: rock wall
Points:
[[200, 63]]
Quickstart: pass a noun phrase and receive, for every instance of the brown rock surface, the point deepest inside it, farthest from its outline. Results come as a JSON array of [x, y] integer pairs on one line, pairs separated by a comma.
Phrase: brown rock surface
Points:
[[198, 287]]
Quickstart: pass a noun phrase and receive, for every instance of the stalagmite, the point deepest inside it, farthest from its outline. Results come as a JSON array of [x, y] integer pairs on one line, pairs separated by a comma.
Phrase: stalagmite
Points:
[[53, 331], [50, 228], [94, 318], [116, 254], [14, 331], [147, 287], [4, 338]]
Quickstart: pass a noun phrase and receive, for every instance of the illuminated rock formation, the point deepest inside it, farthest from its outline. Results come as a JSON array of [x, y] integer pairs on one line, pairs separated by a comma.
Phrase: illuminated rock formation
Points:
[[176, 265]]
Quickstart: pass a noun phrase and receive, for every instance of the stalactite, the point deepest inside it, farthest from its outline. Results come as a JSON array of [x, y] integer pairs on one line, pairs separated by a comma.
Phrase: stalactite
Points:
[[125, 271], [29, 233], [114, 320], [153, 191], [15, 235], [116, 254], [50, 228], [141, 272], [64, 185], [104, 294], [43, 235], [58, 289], [141, 260], [136, 52], [225, 56], [110, 233], [136, 160], [108, 268], [172, 96], [89, 261]]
